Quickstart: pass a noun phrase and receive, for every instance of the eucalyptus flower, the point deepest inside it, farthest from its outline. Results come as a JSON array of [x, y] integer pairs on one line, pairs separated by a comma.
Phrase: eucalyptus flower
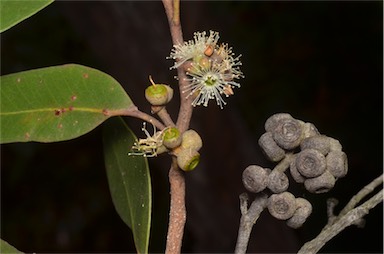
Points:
[[150, 146], [211, 68]]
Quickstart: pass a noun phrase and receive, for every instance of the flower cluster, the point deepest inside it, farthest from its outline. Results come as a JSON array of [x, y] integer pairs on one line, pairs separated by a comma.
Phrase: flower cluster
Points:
[[315, 160], [211, 68], [184, 146]]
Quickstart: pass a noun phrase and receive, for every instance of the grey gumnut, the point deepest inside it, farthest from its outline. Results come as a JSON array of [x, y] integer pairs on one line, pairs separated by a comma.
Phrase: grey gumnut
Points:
[[320, 143], [320, 184], [335, 144], [288, 133], [282, 206], [273, 120], [277, 181], [270, 148], [295, 173], [310, 130], [303, 210], [337, 163], [310, 163], [255, 178]]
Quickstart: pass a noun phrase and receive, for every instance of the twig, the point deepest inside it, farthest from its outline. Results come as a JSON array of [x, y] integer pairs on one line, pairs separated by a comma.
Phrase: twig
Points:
[[285, 163], [349, 216], [165, 117], [186, 107], [177, 212], [361, 194], [248, 219], [133, 111], [172, 9]]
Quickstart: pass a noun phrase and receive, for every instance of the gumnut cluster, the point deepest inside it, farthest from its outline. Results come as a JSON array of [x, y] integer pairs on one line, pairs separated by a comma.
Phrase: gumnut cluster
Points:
[[211, 68], [184, 146], [314, 160]]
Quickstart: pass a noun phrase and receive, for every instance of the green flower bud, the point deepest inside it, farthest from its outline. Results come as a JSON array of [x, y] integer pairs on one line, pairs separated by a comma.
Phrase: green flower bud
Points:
[[188, 159], [157, 94], [169, 92], [171, 138], [191, 139]]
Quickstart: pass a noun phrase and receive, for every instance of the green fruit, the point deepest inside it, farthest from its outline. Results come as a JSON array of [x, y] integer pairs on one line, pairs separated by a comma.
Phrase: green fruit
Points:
[[188, 159], [191, 139], [171, 138], [157, 95]]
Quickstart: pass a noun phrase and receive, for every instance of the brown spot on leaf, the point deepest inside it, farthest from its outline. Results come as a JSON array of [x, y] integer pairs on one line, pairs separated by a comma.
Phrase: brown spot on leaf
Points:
[[85, 75], [60, 126], [73, 97], [57, 112], [27, 136], [18, 80], [106, 112], [71, 108]]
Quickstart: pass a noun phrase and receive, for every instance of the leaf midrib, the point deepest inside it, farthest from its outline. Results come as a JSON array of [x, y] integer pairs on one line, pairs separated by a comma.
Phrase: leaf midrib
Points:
[[31, 111]]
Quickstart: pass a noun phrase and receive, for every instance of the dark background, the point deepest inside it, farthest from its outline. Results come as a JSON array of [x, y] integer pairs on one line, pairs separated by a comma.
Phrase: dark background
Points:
[[319, 61]]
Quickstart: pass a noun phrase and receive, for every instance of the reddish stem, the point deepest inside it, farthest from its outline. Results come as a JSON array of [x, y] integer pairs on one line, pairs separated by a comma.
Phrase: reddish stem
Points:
[[177, 212]]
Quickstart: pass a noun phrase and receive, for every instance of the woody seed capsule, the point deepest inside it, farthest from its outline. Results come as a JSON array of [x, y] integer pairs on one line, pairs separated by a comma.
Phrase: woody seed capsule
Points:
[[255, 178], [303, 210], [337, 163], [278, 181], [272, 122], [295, 173], [320, 143], [270, 148], [320, 184], [310, 163], [282, 206], [288, 133]]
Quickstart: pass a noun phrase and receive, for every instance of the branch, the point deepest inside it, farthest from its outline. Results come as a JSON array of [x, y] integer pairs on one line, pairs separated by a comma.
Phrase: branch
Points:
[[177, 212], [164, 115], [361, 194], [172, 9], [347, 217], [285, 163], [248, 219], [135, 112]]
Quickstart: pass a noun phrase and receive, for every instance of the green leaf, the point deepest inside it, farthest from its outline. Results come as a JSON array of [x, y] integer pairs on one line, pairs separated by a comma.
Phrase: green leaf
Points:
[[129, 181], [7, 248], [13, 12], [57, 103]]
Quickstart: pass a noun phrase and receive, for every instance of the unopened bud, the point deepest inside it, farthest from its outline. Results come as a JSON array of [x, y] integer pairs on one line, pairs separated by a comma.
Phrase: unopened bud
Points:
[[171, 137], [191, 139]]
